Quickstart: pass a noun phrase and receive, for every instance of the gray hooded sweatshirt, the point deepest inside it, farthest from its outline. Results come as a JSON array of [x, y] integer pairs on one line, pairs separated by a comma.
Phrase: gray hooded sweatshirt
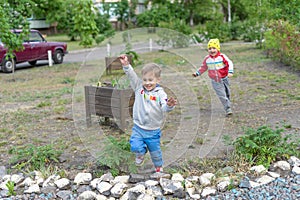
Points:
[[149, 106]]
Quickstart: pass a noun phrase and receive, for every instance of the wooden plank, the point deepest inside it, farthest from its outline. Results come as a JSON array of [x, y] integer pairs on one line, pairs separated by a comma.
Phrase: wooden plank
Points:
[[109, 102], [114, 63]]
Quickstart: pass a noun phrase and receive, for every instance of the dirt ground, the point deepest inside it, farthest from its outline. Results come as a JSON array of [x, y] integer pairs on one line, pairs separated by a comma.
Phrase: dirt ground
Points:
[[40, 106]]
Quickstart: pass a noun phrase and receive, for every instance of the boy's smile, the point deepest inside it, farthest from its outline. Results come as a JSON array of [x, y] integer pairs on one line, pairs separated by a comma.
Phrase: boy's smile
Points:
[[150, 81], [213, 51]]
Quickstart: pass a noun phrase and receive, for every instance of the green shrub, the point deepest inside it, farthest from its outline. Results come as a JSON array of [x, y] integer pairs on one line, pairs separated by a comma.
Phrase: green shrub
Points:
[[283, 43], [117, 156], [32, 157], [265, 145]]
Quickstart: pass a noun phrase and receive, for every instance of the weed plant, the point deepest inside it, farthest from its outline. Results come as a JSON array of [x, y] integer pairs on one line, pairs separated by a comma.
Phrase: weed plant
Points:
[[117, 156], [264, 145], [33, 157]]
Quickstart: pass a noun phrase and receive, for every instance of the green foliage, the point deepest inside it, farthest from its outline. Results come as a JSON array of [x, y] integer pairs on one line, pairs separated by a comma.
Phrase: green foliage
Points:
[[84, 22], [172, 38], [11, 188], [282, 43], [129, 52], [216, 29], [14, 15], [265, 145], [120, 83], [177, 25], [32, 157], [117, 156]]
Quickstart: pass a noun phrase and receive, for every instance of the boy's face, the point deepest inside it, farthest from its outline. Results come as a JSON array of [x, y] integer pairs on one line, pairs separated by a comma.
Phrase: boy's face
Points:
[[212, 51], [150, 81]]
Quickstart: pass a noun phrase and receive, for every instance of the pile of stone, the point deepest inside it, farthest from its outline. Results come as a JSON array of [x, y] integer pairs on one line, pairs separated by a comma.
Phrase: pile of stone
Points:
[[143, 187]]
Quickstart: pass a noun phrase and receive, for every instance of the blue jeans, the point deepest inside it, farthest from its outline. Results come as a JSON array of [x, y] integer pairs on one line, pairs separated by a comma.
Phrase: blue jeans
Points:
[[143, 140]]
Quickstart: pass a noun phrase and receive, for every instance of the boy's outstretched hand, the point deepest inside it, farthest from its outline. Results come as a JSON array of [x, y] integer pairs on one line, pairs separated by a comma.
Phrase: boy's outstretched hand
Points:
[[124, 60], [171, 102]]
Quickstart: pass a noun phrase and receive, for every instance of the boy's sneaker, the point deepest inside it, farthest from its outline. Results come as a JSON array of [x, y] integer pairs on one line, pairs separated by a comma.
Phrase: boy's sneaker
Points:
[[139, 160], [159, 169], [228, 112]]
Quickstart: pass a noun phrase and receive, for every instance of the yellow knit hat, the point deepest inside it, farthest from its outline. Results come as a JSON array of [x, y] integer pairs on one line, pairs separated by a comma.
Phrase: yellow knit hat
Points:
[[214, 43]]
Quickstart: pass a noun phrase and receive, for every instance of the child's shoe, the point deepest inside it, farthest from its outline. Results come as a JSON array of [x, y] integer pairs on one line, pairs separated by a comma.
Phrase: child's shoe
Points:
[[228, 112], [159, 169], [139, 160]]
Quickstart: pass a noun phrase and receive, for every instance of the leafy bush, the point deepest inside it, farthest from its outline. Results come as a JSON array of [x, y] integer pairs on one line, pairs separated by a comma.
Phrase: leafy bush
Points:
[[282, 43], [252, 31], [265, 145], [117, 156], [172, 38], [216, 29], [32, 157]]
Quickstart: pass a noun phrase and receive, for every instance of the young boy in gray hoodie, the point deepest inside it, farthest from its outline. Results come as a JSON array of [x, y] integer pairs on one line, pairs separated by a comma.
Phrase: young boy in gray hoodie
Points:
[[151, 102]]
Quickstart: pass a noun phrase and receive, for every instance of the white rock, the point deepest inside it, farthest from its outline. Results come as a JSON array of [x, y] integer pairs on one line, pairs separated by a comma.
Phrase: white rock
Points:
[[150, 183], [190, 190], [284, 165], [296, 170], [222, 186], [295, 161], [50, 180], [145, 197], [103, 187], [155, 191], [169, 186], [83, 178], [27, 182], [205, 179], [120, 179], [273, 174], [107, 177], [17, 178], [188, 184], [193, 179], [95, 182], [177, 177], [259, 169], [3, 185], [254, 184], [208, 191], [101, 197], [37, 174], [33, 189], [192, 194], [138, 189], [209, 176], [265, 179], [62, 183], [118, 190], [6, 177], [87, 195]]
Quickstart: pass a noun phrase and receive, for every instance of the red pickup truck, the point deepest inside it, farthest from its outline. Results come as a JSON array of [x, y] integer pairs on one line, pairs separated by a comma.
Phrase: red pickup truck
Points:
[[35, 48]]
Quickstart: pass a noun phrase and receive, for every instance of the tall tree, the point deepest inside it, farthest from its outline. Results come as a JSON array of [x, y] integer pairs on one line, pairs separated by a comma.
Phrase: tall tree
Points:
[[85, 21], [14, 14]]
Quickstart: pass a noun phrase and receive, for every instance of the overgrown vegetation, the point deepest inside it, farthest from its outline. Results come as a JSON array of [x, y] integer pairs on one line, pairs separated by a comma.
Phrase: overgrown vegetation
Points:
[[117, 156], [31, 157], [264, 145]]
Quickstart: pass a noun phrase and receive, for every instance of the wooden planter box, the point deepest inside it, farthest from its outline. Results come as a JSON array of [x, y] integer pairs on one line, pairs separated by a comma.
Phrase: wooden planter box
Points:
[[109, 102], [114, 63]]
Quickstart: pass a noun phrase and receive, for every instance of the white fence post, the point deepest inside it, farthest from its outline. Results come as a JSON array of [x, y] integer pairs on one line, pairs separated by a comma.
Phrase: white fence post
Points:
[[50, 58], [108, 49]]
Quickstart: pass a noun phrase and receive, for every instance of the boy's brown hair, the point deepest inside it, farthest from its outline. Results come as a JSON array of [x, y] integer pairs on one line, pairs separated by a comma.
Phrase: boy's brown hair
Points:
[[152, 67]]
